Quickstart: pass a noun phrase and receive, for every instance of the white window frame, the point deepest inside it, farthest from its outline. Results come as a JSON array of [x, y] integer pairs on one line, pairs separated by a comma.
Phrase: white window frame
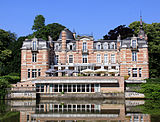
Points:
[[134, 45], [140, 72], [113, 59], [34, 57], [134, 56], [34, 46], [105, 58], [105, 46], [112, 44], [29, 73], [39, 72], [134, 71], [84, 56], [98, 46], [84, 46], [98, 58], [34, 73]]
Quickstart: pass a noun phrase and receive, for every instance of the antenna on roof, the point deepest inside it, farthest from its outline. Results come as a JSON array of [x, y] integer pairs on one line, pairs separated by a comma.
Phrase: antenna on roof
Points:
[[141, 19]]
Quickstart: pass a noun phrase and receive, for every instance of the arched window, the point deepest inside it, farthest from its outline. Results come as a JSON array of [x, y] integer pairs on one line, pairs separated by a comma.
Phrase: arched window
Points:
[[98, 46], [112, 45], [105, 46], [56, 46]]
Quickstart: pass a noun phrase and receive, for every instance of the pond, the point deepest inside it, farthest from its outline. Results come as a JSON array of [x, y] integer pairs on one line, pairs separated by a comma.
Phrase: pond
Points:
[[79, 111]]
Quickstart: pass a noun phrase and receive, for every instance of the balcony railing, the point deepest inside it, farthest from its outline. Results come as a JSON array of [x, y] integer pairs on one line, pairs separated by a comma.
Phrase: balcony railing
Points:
[[85, 51], [23, 89]]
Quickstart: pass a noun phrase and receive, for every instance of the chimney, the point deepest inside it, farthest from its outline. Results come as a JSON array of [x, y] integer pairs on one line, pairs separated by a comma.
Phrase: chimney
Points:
[[63, 40], [118, 42], [74, 34]]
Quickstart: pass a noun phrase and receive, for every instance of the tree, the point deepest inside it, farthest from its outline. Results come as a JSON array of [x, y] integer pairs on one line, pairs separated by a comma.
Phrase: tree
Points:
[[14, 64], [6, 39], [120, 30], [39, 22], [52, 30], [3, 87]]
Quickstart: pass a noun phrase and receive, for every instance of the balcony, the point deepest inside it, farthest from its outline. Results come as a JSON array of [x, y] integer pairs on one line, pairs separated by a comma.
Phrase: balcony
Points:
[[134, 48], [85, 51]]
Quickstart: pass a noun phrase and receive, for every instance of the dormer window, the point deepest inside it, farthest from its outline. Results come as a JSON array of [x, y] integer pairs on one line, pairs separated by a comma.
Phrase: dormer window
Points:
[[34, 46], [105, 46], [84, 46], [56, 47], [134, 44], [98, 46], [112, 46], [71, 47]]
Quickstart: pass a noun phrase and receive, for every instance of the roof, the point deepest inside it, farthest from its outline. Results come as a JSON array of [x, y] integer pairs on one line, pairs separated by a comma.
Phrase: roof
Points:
[[69, 35]]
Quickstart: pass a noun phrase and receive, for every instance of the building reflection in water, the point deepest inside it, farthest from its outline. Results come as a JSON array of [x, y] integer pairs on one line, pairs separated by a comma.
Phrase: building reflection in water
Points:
[[79, 111]]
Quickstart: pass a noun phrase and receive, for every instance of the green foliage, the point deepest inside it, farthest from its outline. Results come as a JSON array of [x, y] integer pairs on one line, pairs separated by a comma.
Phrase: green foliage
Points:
[[11, 79], [14, 65], [52, 30], [10, 117], [6, 39], [151, 89], [151, 107], [153, 80], [39, 22], [4, 84], [120, 30]]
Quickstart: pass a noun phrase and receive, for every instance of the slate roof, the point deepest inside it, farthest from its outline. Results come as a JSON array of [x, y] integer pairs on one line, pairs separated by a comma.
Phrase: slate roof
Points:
[[68, 33]]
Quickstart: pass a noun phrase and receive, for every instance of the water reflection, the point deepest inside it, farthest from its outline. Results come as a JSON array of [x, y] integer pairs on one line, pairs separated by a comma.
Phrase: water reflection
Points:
[[79, 111]]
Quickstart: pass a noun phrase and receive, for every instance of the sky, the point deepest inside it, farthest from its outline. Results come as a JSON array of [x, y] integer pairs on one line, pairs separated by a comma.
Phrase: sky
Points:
[[95, 17]]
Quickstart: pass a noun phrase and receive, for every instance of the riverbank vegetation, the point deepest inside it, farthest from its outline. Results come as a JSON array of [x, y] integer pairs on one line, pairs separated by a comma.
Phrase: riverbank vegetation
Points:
[[151, 89]]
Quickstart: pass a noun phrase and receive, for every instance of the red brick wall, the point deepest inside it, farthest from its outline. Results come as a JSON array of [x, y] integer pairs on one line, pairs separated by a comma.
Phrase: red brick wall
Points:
[[26, 63]]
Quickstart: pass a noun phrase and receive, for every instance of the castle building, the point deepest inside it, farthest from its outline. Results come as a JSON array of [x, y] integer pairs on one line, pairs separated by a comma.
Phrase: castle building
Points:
[[81, 64]]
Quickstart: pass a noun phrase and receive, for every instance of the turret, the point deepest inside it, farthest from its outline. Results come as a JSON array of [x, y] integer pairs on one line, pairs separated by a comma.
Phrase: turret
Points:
[[141, 33]]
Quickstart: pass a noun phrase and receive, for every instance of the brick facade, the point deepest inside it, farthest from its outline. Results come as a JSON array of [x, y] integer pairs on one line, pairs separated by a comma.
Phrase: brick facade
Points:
[[118, 57]]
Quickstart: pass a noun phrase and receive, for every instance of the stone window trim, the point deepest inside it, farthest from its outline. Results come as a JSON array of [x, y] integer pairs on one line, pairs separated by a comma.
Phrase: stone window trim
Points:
[[105, 46], [84, 58], [34, 57], [69, 45], [134, 43], [34, 73], [112, 45], [29, 73], [134, 56], [113, 58], [98, 58], [134, 72], [105, 58], [84, 46], [39, 72], [57, 46], [34, 44], [98, 46], [140, 72]]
